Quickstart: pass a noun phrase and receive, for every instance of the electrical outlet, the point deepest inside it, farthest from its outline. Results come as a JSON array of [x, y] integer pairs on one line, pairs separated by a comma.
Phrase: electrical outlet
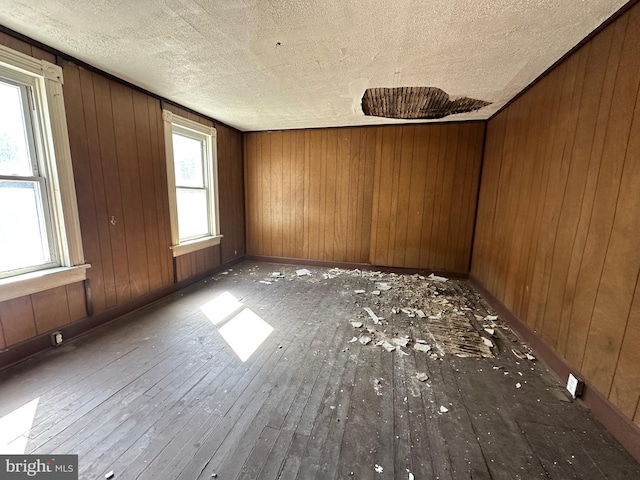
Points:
[[575, 386], [56, 339]]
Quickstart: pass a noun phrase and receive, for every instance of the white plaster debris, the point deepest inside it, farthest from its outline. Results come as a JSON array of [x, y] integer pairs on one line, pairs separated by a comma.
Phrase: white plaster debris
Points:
[[518, 354], [518, 385], [419, 340], [530, 357], [443, 409], [359, 291], [411, 477], [487, 342], [110, 475], [265, 282], [302, 272], [364, 340], [490, 331], [401, 342], [353, 340], [356, 324], [383, 286], [277, 275], [387, 346], [373, 316], [378, 468], [421, 376], [422, 347], [491, 317], [436, 278], [421, 314], [375, 292]]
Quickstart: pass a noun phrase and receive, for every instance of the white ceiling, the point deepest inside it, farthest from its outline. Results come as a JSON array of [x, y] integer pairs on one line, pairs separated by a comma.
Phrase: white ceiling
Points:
[[277, 64]]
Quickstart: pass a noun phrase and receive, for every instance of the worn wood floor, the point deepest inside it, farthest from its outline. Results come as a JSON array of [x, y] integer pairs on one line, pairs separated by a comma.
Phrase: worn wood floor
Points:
[[160, 394]]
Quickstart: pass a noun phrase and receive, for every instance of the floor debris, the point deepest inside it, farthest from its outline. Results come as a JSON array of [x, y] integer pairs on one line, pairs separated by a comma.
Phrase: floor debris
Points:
[[303, 272], [353, 340], [265, 282], [356, 324], [518, 385], [375, 292], [401, 342], [436, 278], [490, 331], [387, 346], [385, 287], [359, 291], [364, 340], [443, 409], [411, 477], [373, 316], [378, 468], [487, 342], [109, 475], [421, 376], [422, 347]]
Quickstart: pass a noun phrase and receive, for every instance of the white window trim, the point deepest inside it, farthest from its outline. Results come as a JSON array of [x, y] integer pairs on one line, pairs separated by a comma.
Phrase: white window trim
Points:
[[183, 248], [49, 81]]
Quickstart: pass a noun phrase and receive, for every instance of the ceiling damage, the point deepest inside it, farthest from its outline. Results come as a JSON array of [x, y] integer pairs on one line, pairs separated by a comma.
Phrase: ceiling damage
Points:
[[276, 64], [415, 103]]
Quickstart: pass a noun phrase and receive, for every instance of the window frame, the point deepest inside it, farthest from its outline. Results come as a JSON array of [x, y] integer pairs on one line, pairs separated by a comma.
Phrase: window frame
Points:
[[208, 135], [55, 165]]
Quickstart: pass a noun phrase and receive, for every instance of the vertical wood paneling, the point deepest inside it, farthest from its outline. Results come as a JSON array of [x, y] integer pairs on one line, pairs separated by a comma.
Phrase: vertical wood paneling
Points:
[[197, 262], [308, 194], [402, 196], [18, 323], [231, 193], [560, 203], [424, 179], [50, 309]]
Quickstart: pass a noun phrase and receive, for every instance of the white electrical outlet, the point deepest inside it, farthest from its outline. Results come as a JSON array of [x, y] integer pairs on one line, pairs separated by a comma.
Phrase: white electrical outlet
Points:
[[574, 385], [56, 338]]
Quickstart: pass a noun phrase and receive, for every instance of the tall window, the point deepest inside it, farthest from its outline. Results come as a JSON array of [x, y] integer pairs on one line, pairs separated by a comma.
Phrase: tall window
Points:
[[193, 192], [39, 227], [24, 191]]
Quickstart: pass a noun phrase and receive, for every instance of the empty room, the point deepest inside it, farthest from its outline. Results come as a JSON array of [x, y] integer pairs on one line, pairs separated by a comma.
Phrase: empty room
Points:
[[319, 240]]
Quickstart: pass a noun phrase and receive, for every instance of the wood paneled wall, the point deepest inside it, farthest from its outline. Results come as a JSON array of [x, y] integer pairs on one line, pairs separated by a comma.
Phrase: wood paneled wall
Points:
[[117, 148], [402, 195], [424, 195], [558, 223], [308, 193]]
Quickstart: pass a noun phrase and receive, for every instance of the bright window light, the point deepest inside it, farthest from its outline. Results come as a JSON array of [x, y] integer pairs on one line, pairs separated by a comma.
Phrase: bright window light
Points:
[[220, 307], [14, 428], [245, 333]]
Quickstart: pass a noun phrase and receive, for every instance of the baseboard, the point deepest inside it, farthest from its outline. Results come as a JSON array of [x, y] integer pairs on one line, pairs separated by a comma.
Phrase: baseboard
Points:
[[22, 351], [349, 265], [623, 429]]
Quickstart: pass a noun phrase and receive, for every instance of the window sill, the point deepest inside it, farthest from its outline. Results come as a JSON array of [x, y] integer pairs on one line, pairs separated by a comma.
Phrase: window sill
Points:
[[194, 245], [34, 282]]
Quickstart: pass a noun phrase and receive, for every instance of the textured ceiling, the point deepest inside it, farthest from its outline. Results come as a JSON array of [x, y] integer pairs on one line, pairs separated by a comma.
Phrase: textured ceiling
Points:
[[276, 64]]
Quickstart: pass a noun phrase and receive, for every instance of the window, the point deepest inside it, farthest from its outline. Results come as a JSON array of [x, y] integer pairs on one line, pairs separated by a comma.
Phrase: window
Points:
[[40, 241], [193, 184]]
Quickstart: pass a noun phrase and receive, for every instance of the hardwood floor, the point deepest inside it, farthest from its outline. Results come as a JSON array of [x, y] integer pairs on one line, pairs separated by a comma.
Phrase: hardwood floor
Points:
[[161, 394]]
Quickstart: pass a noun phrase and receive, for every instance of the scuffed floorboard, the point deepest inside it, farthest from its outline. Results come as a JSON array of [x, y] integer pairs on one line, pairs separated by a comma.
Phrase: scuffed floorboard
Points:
[[443, 389]]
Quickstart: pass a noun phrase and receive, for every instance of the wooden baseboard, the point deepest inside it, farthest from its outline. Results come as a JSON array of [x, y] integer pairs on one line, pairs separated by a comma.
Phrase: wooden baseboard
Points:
[[21, 351], [348, 265], [623, 429]]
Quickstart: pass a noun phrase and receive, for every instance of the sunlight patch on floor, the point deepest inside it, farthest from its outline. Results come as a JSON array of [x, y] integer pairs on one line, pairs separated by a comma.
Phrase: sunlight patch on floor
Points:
[[220, 307], [15, 426], [245, 333]]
